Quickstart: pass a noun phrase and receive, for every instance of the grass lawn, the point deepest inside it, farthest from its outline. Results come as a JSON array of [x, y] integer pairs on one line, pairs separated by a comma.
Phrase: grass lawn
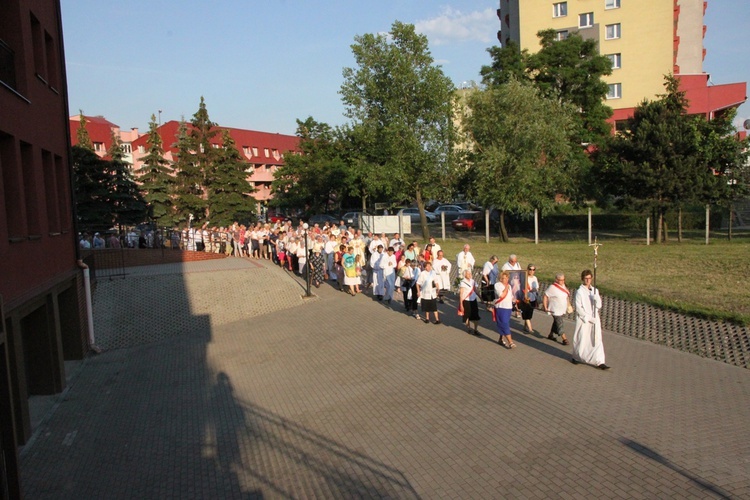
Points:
[[702, 280]]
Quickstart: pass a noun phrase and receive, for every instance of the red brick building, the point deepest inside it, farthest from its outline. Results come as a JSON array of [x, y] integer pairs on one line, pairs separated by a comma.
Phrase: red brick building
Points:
[[40, 283]]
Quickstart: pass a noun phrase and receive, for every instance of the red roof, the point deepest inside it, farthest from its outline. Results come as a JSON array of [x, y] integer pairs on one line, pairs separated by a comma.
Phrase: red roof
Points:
[[261, 141], [99, 129]]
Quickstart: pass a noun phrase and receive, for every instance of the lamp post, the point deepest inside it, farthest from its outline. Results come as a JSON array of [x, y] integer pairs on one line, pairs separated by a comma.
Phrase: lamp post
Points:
[[306, 226]]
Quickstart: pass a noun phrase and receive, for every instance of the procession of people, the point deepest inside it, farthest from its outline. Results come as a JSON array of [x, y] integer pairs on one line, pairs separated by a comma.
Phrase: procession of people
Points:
[[391, 268]]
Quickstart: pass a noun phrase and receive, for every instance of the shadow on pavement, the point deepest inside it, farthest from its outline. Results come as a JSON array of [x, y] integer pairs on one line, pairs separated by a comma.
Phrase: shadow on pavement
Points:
[[656, 457], [159, 421]]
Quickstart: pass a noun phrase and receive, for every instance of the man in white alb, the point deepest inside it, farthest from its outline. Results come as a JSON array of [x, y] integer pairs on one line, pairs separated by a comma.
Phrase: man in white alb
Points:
[[442, 267]]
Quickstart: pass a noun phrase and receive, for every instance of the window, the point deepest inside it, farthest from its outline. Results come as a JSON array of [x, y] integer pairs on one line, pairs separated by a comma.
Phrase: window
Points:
[[611, 4], [50, 53], [255, 151], [616, 60], [99, 147], [37, 42], [127, 148], [612, 31], [141, 149], [561, 35], [615, 91], [560, 9], [265, 151], [586, 20]]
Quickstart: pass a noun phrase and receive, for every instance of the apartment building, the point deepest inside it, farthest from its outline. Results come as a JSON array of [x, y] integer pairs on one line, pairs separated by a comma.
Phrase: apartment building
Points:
[[263, 151], [644, 39]]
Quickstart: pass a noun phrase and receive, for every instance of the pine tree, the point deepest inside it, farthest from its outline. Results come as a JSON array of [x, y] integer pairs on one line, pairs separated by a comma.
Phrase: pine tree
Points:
[[188, 179], [92, 181], [229, 195], [156, 176], [128, 206], [84, 140], [196, 156]]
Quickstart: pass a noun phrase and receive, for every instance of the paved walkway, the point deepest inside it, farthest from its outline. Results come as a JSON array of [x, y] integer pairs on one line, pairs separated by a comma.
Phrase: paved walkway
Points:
[[344, 397]]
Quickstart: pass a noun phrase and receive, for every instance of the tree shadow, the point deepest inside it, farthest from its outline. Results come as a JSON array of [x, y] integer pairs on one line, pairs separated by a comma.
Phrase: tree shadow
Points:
[[660, 459]]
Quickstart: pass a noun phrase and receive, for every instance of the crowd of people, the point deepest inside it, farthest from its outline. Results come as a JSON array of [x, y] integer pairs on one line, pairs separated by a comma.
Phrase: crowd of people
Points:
[[392, 268]]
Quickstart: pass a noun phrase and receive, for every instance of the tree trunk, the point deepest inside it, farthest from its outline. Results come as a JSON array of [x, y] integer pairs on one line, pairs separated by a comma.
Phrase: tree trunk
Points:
[[503, 230], [659, 226], [731, 219], [422, 216]]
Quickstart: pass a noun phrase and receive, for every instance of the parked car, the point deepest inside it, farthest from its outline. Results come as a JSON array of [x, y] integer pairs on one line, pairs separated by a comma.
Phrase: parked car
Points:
[[322, 219], [413, 213], [469, 221], [451, 212], [351, 219]]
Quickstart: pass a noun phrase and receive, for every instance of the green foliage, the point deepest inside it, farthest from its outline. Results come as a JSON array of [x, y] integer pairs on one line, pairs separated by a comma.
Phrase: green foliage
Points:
[[229, 191], [92, 181], [569, 70], [522, 148], [402, 102], [156, 178], [317, 178], [189, 190], [84, 140], [127, 204], [667, 158]]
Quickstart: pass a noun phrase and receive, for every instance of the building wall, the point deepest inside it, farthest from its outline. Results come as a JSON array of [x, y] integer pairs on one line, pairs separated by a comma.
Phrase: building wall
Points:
[[40, 281], [690, 34], [645, 44]]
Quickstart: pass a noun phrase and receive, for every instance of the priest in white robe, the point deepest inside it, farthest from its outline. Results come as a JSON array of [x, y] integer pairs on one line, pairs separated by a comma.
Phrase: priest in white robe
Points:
[[587, 338]]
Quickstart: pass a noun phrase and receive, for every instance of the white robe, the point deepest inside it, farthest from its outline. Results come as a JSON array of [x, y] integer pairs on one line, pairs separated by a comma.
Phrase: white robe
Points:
[[444, 276], [377, 274], [587, 338]]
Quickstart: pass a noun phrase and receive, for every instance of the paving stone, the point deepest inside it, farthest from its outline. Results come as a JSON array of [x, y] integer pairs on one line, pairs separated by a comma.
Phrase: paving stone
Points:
[[264, 394]]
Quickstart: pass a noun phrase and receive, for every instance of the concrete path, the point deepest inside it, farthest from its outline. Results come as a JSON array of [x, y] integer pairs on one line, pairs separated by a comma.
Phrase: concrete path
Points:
[[344, 397]]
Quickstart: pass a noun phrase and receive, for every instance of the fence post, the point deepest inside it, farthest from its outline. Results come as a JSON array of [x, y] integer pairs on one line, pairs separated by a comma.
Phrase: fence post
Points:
[[708, 217], [536, 227], [442, 223], [648, 231], [589, 225]]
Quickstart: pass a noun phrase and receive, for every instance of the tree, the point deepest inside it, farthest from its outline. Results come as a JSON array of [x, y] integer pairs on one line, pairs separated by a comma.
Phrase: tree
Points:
[[569, 70], [403, 103], [314, 179], [522, 148], [188, 179], [667, 157], [84, 139], [127, 204], [92, 181], [229, 195], [156, 176]]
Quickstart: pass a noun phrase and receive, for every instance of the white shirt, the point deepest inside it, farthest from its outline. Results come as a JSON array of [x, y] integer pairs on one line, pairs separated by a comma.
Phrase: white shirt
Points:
[[511, 267], [490, 270], [465, 261], [426, 284], [557, 300], [387, 264], [435, 249]]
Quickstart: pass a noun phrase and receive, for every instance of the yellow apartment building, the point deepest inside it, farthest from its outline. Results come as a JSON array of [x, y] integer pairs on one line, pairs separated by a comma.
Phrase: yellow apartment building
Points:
[[644, 39]]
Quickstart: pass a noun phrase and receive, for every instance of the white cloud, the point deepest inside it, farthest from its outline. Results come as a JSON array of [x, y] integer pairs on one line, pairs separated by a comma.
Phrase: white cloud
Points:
[[452, 25]]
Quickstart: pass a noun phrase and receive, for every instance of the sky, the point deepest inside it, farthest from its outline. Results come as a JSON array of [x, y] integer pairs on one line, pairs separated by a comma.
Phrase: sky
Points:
[[261, 65]]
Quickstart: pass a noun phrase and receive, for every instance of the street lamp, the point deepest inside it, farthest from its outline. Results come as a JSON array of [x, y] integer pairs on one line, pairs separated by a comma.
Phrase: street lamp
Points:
[[306, 226]]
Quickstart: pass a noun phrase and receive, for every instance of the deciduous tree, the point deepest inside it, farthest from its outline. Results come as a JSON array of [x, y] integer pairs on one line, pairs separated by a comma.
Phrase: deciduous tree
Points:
[[403, 100]]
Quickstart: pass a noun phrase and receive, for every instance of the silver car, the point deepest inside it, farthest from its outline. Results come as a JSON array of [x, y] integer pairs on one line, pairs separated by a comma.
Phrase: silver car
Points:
[[413, 213]]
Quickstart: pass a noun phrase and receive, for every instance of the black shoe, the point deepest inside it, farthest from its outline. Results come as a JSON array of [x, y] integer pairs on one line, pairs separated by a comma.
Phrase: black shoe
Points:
[[574, 361], [438, 322], [603, 367], [425, 320], [476, 332], [551, 336]]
